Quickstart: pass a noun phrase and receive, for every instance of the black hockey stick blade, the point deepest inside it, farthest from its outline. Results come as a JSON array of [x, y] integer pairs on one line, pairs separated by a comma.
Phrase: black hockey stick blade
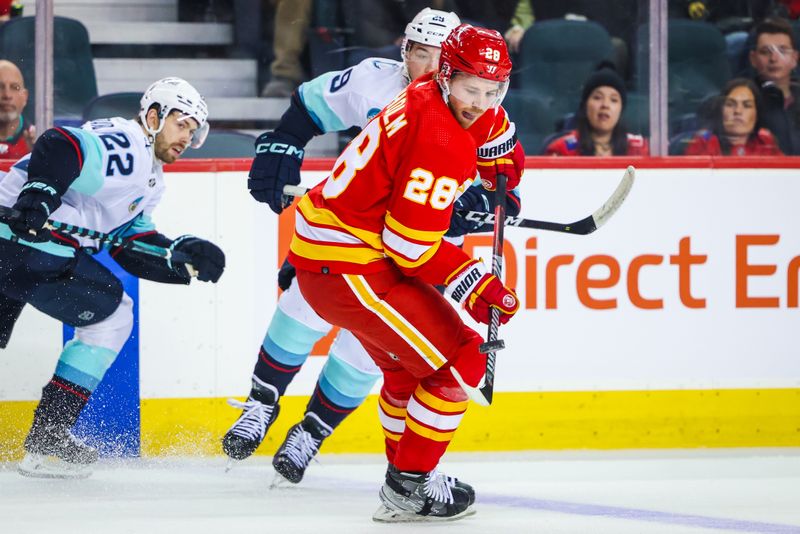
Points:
[[585, 226]]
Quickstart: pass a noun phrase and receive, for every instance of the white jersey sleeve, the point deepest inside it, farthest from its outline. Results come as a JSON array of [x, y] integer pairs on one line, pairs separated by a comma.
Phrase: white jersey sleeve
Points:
[[342, 99], [117, 189]]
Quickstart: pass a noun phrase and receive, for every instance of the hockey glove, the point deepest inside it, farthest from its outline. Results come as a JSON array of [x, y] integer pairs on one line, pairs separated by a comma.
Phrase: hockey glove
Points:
[[473, 199], [286, 274], [479, 291], [35, 203], [277, 163], [206, 258], [511, 164]]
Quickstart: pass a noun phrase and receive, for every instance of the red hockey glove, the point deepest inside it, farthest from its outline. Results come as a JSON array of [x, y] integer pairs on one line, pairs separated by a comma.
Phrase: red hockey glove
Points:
[[511, 164], [479, 291]]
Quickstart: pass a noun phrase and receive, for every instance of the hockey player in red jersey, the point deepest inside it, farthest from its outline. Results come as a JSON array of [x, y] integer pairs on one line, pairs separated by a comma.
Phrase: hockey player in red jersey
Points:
[[368, 250]]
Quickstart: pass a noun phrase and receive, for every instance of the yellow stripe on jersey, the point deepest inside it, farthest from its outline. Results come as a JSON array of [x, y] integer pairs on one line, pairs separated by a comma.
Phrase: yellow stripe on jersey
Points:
[[500, 130], [424, 348], [322, 217], [429, 433], [423, 236], [315, 251], [406, 263], [440, 405], [394, 411]]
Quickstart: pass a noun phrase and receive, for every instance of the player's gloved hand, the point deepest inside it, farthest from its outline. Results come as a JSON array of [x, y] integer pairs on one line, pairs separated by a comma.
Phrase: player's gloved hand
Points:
[[511, 164], [473, 199], [35, 203], [479, 291], [286, 274], [206, 257], [277, 163]]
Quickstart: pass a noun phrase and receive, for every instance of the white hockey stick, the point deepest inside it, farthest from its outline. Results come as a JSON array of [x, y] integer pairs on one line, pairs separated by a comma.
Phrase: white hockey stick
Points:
[[584, 226]]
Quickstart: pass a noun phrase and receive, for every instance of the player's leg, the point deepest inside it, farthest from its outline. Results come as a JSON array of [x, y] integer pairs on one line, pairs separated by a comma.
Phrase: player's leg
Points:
[[343, 384], [83, 293], [293, 331], [406, 323]]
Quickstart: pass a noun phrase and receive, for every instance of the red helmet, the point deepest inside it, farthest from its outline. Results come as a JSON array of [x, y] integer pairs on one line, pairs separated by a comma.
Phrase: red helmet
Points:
[[475, 51]]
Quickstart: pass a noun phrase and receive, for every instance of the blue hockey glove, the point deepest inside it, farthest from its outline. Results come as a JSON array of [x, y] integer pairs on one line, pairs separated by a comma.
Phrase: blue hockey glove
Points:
[[473, 199], [277, 163], [206, 257], [35, 203]]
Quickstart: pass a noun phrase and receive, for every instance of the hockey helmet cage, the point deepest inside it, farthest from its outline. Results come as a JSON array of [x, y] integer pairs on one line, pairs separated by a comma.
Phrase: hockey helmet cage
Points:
[[475, 51], [175, 94]]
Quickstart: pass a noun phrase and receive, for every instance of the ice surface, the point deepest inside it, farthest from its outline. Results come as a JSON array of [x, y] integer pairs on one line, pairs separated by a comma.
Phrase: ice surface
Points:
[[669, 492]]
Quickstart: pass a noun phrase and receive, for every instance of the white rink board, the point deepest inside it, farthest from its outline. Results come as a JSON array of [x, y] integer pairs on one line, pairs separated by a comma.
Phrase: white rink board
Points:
[[201, 341]]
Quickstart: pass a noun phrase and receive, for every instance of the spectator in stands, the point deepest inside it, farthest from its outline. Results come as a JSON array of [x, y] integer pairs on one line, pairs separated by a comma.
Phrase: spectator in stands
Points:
[[510, 17], [736, 129], [599, 130], [774, 56], [16, 137], [292, 19]]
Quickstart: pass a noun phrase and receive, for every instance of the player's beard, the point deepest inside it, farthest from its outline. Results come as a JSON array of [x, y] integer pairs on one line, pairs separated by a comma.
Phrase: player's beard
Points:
[[163, 150]]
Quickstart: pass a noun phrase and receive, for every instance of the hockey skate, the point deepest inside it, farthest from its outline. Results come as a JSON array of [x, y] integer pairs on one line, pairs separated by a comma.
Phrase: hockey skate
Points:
[[299, 448], [55, 453], [259, 411], [433, 496]]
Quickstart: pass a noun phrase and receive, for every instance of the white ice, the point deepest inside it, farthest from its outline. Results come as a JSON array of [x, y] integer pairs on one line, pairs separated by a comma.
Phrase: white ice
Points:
[[669, 492]]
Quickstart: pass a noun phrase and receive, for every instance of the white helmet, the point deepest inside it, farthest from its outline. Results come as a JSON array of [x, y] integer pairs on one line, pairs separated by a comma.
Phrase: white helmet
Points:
[[429, 27], [173, 94]]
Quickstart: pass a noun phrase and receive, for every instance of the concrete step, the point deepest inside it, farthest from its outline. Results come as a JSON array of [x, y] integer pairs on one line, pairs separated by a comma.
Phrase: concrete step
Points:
[[212, 77], [167, 33], [111, 11]]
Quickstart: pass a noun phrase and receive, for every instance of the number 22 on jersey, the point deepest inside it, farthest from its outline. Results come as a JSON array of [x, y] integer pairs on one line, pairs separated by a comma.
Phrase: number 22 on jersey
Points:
[[422, 187]]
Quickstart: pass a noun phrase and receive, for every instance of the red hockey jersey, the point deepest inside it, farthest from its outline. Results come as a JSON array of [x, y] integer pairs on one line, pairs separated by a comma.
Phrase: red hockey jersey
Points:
[[389, 198]]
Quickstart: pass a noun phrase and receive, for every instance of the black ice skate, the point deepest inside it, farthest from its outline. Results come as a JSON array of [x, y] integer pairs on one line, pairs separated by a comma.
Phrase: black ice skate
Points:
[[432, 496], [259, 412], [53, 452], [300, 446]]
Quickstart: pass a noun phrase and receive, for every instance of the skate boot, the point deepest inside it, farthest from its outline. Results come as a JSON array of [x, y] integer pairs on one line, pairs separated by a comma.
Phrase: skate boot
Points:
[[51, 451], [432, 496], [300, 446], [259, 412]]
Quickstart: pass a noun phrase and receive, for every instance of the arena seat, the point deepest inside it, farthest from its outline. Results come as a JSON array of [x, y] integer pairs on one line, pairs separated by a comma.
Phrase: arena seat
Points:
[[224, 144], [124, 105], [557, 56], [74, 83]]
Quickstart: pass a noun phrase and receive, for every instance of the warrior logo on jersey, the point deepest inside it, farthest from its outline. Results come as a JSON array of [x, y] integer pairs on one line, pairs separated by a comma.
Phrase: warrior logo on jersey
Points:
[[134, 204]]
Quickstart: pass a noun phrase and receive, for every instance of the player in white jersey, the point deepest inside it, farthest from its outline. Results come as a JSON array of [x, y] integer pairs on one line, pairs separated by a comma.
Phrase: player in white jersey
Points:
[[106, 176], [334, 101]]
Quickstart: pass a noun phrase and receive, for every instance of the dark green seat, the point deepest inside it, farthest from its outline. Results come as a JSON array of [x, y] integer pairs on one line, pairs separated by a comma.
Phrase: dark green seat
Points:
[[74, 83], [636, 115], [557, 56], [697, 64], [224, 144], [534, 120], [124, 105]]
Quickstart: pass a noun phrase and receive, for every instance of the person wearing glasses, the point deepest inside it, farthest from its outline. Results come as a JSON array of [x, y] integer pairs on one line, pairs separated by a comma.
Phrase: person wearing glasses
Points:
[[774, 57]]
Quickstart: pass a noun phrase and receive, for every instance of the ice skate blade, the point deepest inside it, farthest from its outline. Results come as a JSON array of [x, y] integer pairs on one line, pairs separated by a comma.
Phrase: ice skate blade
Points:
[[229, 465], [41, 466], [385, 514], [281, 482]]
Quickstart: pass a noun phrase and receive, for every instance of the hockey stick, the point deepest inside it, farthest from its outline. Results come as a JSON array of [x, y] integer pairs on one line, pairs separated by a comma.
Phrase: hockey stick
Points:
[[484, 392], [584, 226], [107, 239]]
